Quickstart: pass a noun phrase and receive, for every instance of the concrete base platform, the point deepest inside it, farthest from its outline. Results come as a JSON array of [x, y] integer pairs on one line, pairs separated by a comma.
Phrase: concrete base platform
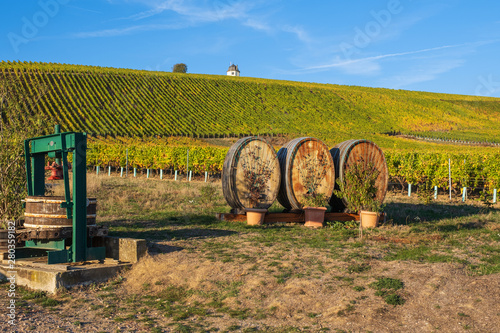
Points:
[[36, 274]]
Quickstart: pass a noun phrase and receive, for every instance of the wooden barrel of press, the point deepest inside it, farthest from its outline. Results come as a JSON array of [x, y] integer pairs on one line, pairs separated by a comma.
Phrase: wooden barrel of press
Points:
[[4, 240], [46, 212], [351, 151], [303, 162], [247, 155]]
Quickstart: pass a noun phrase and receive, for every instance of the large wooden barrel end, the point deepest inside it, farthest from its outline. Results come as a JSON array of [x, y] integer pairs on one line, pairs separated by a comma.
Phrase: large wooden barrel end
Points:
[[352, 151], [306, 165], [250, 158]]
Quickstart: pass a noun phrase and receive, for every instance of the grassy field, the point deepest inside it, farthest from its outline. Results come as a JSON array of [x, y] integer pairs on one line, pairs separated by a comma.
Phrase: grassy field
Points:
[[427, 268]]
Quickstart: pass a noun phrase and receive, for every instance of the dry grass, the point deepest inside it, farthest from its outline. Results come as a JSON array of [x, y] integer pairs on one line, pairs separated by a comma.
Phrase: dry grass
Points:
[[204, 275]]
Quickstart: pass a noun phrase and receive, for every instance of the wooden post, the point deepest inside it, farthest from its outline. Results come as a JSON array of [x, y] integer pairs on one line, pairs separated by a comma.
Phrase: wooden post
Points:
[[449, 174], [187, 163]]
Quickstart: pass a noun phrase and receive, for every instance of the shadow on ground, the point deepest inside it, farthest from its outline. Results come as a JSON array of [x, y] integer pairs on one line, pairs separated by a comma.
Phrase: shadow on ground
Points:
[[409, 214], [157, 248], [194, 227]]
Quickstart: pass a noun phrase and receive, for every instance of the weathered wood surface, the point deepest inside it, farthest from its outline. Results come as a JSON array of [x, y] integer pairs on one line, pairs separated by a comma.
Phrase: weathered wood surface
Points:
[[46, 212], [352, 151], [250, 155], [287, 217], [306, 165]]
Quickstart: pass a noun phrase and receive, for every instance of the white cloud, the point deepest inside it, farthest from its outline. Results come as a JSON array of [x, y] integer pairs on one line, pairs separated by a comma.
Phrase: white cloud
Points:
[[190, 13], [349, 64], [366, 67], [429, 67], [126, 30], [257, 25], [299, 32], [196, 13], [338, 63], [426, 71]]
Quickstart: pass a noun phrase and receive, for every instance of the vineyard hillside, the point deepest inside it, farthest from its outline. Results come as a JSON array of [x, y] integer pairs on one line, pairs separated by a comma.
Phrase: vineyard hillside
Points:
[[122, 102]]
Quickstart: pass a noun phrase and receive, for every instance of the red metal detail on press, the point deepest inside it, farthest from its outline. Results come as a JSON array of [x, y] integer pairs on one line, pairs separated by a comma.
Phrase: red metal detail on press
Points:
[[56, 169]]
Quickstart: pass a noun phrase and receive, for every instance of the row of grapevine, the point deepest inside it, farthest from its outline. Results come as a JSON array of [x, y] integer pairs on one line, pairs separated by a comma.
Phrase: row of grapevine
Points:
[[147, 155], [125, 102], [432, 169]]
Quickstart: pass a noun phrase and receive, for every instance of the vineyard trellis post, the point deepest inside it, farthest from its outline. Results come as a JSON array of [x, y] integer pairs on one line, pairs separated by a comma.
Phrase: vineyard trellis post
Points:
[[126, 162], [449, 174], [187, 163], [464, 190], [495, 195], [435, 192], [409, 190]]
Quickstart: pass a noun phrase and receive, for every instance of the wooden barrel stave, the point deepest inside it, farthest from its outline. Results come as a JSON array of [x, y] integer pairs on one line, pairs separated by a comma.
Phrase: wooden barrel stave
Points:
[[46, 212], [349, 152], [4, 240], [240, 159], [294, 157]]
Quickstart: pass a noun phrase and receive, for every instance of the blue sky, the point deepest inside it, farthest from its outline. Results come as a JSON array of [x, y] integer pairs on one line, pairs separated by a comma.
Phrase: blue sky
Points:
[[431, 45]]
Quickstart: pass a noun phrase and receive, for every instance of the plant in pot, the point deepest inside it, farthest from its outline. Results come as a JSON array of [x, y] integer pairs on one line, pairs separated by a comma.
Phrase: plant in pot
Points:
[[256, 176], [359, 191], [314, 202], [314, 205]]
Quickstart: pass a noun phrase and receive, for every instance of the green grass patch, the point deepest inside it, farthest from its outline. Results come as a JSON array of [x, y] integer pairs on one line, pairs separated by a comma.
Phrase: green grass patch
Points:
[[174, 294], [358, 268], [394, 299], [386, 283], [386, 288], [39, 297]]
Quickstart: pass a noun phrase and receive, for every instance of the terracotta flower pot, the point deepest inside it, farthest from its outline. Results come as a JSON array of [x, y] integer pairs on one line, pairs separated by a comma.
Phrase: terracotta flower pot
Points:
[[255, 216], [314, 216], [368, 219]]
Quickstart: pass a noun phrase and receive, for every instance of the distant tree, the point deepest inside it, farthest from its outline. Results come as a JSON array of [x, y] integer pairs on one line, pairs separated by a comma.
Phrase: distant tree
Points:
[[180, 68]]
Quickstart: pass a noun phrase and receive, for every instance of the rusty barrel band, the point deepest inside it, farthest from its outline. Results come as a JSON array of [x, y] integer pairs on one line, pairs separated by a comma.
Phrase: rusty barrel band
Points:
[[54, 216]]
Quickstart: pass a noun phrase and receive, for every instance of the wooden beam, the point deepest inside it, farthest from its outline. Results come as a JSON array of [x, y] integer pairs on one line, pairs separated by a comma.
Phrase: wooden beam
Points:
[[286, 217]]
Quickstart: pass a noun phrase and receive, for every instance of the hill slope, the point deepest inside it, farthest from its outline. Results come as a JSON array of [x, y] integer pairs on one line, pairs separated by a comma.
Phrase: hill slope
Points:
[[125, 102]]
